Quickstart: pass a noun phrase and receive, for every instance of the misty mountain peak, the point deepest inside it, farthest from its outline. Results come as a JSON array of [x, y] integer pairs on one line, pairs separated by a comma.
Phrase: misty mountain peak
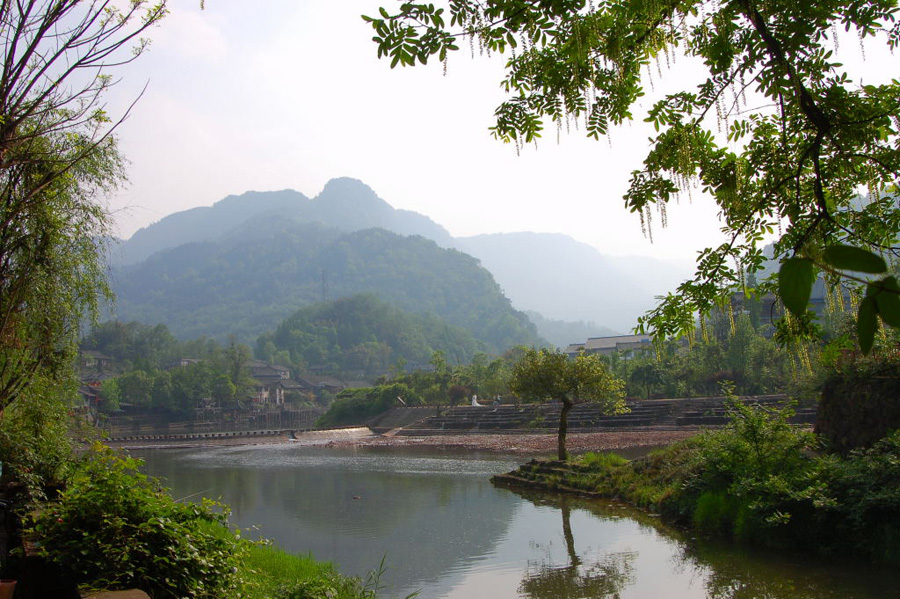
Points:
[[352, 203]]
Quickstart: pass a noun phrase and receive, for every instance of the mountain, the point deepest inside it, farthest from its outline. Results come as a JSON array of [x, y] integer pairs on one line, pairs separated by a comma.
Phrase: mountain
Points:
[[206, 223], [245, 282], [552, 274], [345, 204], [351, 205], [564, 279]]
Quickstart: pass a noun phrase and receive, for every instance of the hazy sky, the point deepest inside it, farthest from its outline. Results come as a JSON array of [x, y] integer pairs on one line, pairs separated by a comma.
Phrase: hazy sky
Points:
[[289, 94]]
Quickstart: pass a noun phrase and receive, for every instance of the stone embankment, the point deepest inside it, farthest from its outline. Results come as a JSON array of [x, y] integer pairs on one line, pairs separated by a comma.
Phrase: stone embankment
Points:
[[545, 475], [528, 429], [657, 414]]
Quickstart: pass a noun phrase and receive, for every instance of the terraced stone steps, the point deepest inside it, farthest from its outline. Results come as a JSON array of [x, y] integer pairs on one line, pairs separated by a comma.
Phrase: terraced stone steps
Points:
[[664, 413], [399, 418], [546, 475]]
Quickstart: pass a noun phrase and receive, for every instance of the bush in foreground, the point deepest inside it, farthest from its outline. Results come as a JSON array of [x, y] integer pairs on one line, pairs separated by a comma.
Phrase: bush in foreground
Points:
[[114, 527]]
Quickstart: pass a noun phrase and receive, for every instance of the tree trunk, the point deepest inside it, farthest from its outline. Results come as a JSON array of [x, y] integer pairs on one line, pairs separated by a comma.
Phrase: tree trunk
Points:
[[563, 426]]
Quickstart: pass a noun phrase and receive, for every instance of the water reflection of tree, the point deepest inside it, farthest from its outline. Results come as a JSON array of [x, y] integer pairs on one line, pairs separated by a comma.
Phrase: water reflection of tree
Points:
[[577, 580], [726, 570], [745, 573]]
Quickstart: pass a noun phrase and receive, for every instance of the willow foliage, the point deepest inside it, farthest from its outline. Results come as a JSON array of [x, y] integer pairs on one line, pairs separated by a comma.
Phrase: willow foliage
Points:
[[57, 160]]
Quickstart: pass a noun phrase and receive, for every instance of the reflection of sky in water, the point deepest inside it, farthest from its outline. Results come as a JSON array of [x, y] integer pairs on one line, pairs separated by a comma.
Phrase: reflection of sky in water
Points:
[[348, 460], [446, 530]]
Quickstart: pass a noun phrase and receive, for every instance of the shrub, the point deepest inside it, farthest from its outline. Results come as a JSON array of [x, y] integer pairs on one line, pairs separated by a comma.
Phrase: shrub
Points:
[[114, 527], [755, 479], [860, 403], [716, 512], [35, 445], [864, 493], [757, 443]]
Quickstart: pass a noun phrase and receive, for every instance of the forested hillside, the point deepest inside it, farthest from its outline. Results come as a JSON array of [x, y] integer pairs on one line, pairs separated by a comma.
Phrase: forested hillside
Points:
[[363, 334], [246, 282], [562, 333]]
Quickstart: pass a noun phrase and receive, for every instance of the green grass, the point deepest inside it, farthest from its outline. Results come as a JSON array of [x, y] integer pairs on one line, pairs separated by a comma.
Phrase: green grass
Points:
[[647, 482], [269, 571], [272, 573]]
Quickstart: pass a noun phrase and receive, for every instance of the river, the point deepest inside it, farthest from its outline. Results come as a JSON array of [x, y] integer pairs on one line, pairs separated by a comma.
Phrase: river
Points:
[[443, 529]]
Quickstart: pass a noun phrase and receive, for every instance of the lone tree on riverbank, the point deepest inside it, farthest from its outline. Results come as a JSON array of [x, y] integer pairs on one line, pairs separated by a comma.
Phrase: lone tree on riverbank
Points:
[[547, 375], [778, 130]]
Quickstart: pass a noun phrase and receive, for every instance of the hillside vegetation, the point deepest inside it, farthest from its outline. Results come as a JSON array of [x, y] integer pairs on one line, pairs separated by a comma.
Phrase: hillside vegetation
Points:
[[363, 334], [246, 283]]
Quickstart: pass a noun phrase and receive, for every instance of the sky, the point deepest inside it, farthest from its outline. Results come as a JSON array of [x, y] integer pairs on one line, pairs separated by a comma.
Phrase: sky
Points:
[[287, 94]]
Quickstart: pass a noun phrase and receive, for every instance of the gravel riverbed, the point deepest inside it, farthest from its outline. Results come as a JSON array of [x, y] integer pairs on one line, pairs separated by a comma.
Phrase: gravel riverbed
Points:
[[526, 444]]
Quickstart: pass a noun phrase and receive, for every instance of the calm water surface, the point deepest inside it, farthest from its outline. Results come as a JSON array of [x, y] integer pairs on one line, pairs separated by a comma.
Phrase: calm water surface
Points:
[[445, 530]]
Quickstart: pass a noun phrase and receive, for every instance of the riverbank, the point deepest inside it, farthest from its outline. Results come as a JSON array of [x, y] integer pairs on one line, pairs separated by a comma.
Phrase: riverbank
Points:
[[758, 481], [529, 444], [526, 444]]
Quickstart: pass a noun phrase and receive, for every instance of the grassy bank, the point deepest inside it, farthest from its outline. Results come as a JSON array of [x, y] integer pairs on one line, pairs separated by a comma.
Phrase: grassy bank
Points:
[[757, 481], [269, 573]]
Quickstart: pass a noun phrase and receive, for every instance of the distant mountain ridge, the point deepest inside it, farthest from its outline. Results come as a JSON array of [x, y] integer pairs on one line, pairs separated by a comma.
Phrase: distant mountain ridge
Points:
[[345, 204], [551, 274], [561, 333], [564, 279]]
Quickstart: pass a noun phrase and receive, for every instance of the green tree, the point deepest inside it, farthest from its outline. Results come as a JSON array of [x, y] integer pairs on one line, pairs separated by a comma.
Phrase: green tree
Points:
[[111, 395], [145, 347], [548, 375], [57, 155], [237, 362], [223, 390], [778, 132], [649, 374], [35, 437], [190, 385], [496, 380], [135, 388], [161, 392]]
